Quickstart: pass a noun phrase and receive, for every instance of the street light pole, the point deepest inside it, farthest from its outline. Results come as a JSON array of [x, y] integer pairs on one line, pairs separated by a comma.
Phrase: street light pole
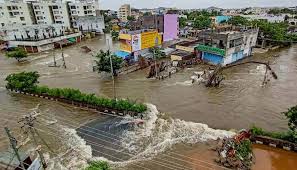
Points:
[[111, 69]]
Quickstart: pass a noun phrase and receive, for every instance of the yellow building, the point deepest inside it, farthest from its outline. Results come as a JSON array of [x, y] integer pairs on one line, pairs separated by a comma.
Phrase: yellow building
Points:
[[133, 41]]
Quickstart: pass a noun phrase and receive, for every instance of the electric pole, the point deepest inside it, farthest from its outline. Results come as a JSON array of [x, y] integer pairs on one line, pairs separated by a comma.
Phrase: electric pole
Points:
[[111, 69], [63, 59], [28, 124], [13, 143]]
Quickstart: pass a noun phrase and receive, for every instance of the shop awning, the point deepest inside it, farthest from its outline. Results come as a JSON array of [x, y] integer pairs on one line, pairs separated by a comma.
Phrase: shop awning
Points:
[[122, 54]]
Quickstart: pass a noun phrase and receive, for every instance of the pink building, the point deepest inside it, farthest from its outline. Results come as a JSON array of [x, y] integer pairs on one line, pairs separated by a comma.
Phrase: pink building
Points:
[[171, 27]]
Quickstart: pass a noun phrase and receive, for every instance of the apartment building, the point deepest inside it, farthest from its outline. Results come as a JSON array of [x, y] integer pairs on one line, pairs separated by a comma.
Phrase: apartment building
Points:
[[46, 12], [82, 9], [124, 12], [16, 13]]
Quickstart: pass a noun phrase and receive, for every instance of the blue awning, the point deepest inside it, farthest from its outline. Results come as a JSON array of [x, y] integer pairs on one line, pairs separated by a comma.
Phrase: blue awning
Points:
[[122, 54]]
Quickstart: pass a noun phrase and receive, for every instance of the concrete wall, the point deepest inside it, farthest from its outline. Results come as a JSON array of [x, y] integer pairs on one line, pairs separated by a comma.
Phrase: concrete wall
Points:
[[171, 27]]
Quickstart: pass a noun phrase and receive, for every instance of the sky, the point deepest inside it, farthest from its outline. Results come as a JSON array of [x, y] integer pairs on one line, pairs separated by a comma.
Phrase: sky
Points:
[[189, 4]]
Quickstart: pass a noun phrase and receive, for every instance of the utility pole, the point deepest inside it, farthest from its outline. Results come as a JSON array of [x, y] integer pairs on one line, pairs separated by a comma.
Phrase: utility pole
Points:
[[28, 124], [63, 59], [111, 69], [13, 143]]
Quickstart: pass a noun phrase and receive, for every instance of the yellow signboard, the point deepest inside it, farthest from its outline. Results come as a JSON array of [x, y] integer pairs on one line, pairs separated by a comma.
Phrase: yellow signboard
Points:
[[125, 47], [125, 37], [150, 39]]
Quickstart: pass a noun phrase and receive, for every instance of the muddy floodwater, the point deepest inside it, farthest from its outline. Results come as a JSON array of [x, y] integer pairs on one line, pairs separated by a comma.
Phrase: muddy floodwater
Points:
[[182, 115]]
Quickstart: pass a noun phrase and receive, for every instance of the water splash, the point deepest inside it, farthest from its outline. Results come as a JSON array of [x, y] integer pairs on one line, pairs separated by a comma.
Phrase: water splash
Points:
[[159, 134]]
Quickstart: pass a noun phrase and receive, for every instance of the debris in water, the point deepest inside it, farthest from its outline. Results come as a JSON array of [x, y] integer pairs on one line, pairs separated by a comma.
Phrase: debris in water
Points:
[[236, 152]]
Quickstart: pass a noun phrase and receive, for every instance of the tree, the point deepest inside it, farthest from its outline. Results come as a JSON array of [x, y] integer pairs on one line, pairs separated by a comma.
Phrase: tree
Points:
[[157, 52], [17, 53], [114, 35], [98, 165], [238, 20], [24, 81], [103, 62], [182, 22], [147, 14], [291, 115], [202, 22], [130, 18]]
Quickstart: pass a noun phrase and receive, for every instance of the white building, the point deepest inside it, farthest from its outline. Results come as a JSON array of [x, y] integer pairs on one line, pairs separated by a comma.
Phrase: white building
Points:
[[91, 23], [80, 9], [16, 12], [38, 38], [124, 12], [46, 12], [267, 17]]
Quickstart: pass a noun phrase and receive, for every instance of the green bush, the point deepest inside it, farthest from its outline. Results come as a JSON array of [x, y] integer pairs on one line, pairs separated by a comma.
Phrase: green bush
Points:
[[290, 135], [27, 82], [17, 53], [244, 149], [24, 81], [98, 165]]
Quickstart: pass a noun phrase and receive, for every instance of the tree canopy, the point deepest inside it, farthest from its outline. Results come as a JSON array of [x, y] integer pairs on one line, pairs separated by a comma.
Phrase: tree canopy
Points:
[[202, 22], [238, 20], [291, 115], [17, 53], [103, 62], [98, 165], [130, 18], [23, 81], [182, 22], [114, 35]]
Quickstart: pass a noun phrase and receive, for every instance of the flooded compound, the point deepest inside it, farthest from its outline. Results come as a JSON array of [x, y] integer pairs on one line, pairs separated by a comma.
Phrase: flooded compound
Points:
[[182, 117]]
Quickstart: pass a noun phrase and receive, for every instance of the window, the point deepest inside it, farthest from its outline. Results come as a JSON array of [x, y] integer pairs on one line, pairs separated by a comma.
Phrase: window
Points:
[[72, 7], [2, 24], [22, 18], [23, 23], [0, 7], [55, 7]]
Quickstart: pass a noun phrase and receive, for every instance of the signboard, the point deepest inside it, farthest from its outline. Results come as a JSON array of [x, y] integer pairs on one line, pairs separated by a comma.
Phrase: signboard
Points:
[[212, 50], [35, 165], [150, 39], [125, 37], [136, 42]]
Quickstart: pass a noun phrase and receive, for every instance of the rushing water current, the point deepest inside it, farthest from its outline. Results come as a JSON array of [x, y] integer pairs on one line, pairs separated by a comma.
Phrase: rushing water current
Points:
[[181, 118]]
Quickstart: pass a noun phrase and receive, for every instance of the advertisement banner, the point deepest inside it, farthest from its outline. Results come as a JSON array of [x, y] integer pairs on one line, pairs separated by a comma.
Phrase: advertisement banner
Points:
[[136, 42], [150, 39]]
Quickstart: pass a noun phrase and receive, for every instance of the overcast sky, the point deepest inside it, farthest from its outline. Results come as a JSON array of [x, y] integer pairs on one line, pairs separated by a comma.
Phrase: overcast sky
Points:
[[115, 4]]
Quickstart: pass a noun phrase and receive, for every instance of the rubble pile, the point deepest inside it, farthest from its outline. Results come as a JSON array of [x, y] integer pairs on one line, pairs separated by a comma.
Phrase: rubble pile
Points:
[[236, 152]]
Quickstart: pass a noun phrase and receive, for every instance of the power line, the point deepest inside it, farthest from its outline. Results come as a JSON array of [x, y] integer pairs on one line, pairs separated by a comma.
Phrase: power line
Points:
[[119, 151], [119, 140], [112, 138]]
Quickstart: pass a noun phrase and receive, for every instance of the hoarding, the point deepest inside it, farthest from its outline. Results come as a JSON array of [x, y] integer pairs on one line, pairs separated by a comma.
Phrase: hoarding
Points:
[[125, 37], [150, 39], [212, 50], [136, 42]]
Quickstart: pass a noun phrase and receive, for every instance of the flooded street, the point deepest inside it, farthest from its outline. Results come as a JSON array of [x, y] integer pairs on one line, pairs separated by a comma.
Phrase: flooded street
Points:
[[183, 114]]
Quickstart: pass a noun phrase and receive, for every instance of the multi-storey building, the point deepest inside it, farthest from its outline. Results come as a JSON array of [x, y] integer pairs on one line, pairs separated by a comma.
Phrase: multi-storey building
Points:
[[51, 13], [166, 24], [124, 12], [46, 12], [16, 13], [81, 9]]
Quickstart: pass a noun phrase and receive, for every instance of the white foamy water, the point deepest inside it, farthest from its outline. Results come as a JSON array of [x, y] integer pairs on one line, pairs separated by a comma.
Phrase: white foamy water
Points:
[[158, 133], [49, 60]]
